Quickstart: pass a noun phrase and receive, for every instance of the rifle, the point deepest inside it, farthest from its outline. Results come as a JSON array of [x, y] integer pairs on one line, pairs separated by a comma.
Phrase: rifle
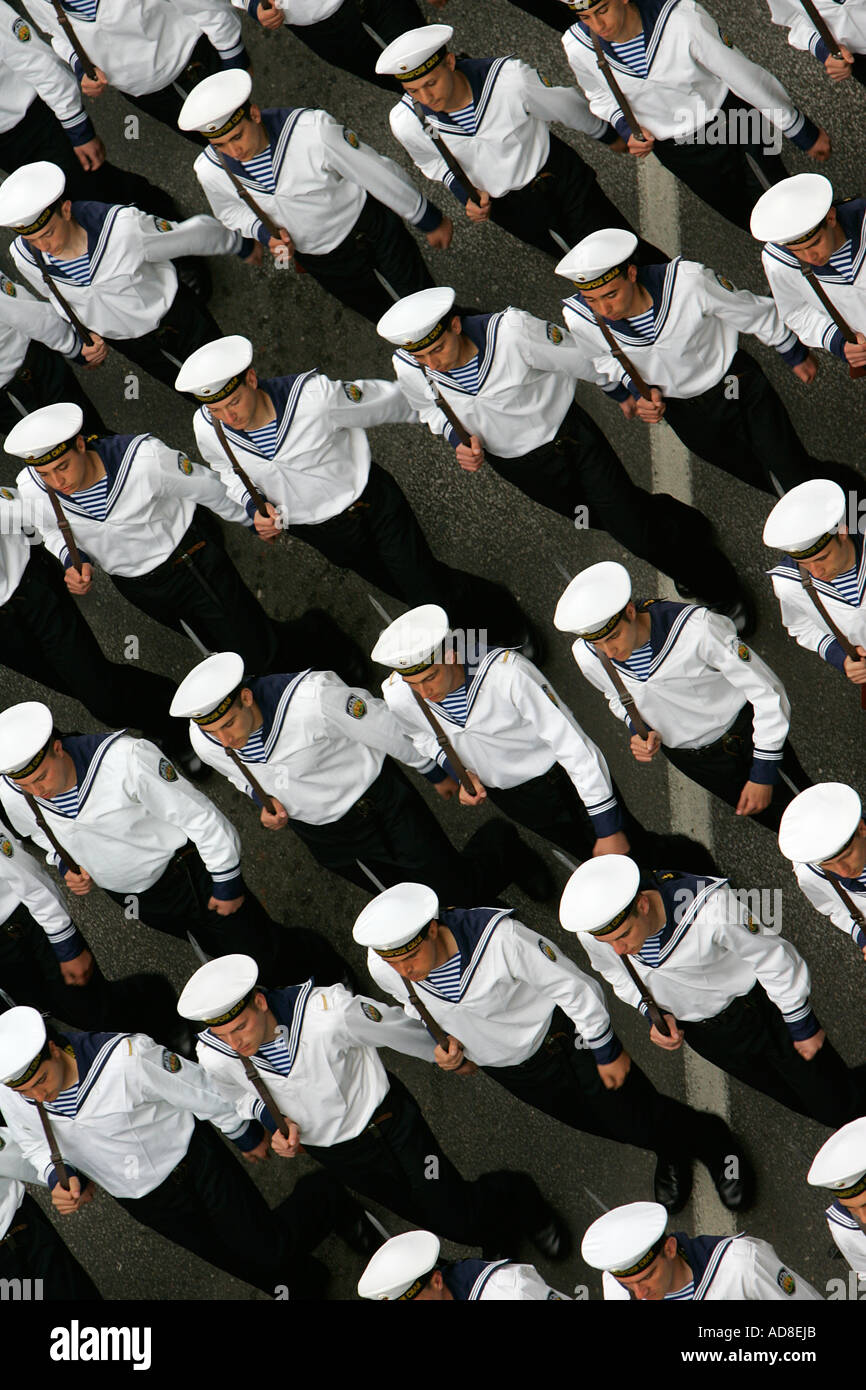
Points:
[[49, 833], [265, 218], [84, 333], [51, 1140], [847, 647], [65, 529], [253, 781], [443, 151], [823, 28], [621, 357], [80, 52], [617, 93], [842, 324]]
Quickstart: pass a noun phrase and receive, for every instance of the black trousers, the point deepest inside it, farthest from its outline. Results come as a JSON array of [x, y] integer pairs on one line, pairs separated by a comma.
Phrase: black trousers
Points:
[[30, 974], [178, 903], [564, 197], [209, 1205], [32, 1249], [341, 39], [164, 105], [720, 174], [549, 805], [380, 538], [391, 830], [723, 768], [45, 378], [749, 1040], [398, 1161], [578, 469], [563, 1081], [43, 636], [549, 12], [39, 135], [186, 326], [377, 246]]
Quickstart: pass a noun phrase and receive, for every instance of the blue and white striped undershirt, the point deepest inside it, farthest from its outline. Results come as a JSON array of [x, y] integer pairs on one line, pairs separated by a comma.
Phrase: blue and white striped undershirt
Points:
[[650, 951], [77, 270], [265, 438], [842, 261], [847, 586], [66, 802], [632, 54], [467, 376], [94, 500], [681, 1295], [644, 325], [277, 1053], [253, 750], [261, 168], [86, 8], [67, 1102], [465, 118], [456, 704], [639, 662], [445, 979]]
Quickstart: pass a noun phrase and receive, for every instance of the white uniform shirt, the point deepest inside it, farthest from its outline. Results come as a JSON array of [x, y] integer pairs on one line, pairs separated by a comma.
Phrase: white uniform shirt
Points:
[[692, 69], [300, 12], [135, 1114], [517, 728], [132, 281], [844, 283], [28, 69], [141, 48], [476, 1281], [23, 880], [322, 460], [511, 980], [514, 106], [817, 886], [526, 374], [23, 318], [848, 1235], [17, 534], [14, 1172], [712, 952], [325, 744], [846, 20], [334, 1079], [699, 317], [323, 173], [700, 677], [134, 812], [741, 1268], [804, 622], [151, 497]]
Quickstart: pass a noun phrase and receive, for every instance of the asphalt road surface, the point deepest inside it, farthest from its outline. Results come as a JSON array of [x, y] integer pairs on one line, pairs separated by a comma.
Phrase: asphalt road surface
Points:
[[479, 522]]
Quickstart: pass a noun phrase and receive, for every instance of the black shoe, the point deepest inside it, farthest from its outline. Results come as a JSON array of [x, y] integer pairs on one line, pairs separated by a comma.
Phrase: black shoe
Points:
[[361, 1235], [741, 613], [553, 1239], [672, 1182], [346, 657], [736, 1193], [529, 871], [530, 643], [194, 273], [192, 766]]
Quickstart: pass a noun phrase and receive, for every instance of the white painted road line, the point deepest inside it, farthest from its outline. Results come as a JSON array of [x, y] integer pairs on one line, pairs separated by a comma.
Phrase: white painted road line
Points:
[[689, 805]]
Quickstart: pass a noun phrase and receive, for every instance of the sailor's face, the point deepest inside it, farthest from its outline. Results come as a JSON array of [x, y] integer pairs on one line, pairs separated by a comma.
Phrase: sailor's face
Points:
[[55, 235], [850, 861], [242, 143], [67, 473], [238, 409], [444, 354], [827, 563], [47, 1084], [856, 1206], [246, 1033], [819, 247], [235, 727], [434, 683], [606, 19], [630, 935], [436, 88], [49, 778], [619, 644], [613, 300], [418, 963], [653, 1284]]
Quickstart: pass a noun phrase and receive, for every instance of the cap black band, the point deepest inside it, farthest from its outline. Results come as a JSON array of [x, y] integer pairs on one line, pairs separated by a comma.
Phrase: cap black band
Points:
[[36, 761], [604, 279], [42, 220], [31, 1069], [234, 1011], [225, 704], [407, 948], [607, 628], [56, 452], [435, 333], [427, 66], [234, 120], [618, 920], [814, 547], [220, 395], [644, 1262]]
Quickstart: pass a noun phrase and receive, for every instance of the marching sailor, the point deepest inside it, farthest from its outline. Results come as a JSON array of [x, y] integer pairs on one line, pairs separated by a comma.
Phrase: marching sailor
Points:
[[337, 202], [134, 827], [494, 117], [507, 1001], [30, 1247], [735, 991], [346, 33], [813, 246], [521, 745], [807, 526], [126, 1114], [508, 380], [847, 24], [112, 266], [323, 754], [317, 1052], [840, 1165], [708, 113], [154, 55], [679, 325], [409, 1267], [36, 348], [643, 1262], [824, 835], [703, 698], [44, 637], [302, 441], [42, 117]]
